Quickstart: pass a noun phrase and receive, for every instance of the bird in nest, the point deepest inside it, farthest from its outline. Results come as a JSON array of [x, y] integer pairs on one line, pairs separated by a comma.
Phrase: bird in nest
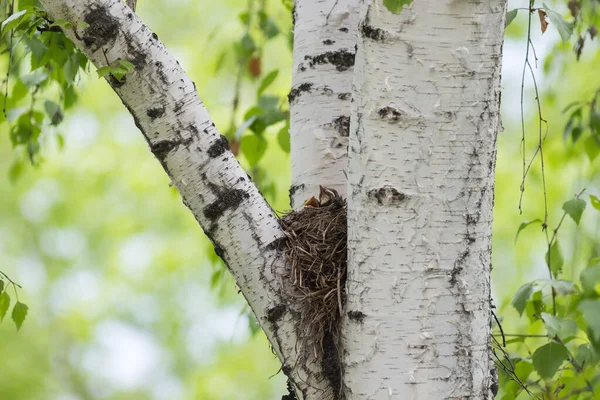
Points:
[[327, 196]]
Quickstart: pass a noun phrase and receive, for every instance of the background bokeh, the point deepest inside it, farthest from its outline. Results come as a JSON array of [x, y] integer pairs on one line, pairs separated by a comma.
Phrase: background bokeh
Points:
[[125, 294]]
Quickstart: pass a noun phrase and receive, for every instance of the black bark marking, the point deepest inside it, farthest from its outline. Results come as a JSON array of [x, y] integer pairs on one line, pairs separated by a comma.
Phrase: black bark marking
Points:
[[276, 244], [343, 30], [373, 33], [298, 90], [219, 250], [458, 266], [161, 148], [220, 146], [291, 394], [386, 195], [193, 129], [389, 113], [342, 125], [344, 96], [155, 112], [178, 106], [331, 363], [226, 199], [274, 314], [328, 42], [136, 56], [341, 59], [161, 73], [102, 27], [294, 189], [356, 316], [154, 36]]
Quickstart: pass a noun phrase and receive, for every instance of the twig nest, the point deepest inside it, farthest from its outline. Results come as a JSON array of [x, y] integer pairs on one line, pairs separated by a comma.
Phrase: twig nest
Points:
[[316, 255]]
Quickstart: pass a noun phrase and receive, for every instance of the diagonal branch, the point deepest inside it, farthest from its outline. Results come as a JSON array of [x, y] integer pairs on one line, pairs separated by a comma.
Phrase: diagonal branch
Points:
[[168, 111]]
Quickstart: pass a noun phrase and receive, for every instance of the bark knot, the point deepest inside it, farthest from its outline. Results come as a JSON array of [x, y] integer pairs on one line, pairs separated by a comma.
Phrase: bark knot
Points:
[[386, 195]]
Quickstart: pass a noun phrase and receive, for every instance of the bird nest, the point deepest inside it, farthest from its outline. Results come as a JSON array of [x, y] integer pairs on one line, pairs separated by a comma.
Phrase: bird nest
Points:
[[316, 256]]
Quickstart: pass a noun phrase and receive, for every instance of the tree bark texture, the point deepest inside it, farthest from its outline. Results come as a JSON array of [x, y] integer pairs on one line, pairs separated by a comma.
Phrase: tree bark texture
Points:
[[425, 116], [168, 111], [323, 69]]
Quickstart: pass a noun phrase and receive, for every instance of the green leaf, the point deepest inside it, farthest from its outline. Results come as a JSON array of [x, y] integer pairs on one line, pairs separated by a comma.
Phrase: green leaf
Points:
[[15, 113], [586, 355], [70, 97], [253, 147], [35, 78], [19, 91], [552, 324], [4, 304], [283, 138], [510, 16], [564, 28], [104, 71], [577, 132], [525, 225], [574, 208], [591, 312], [590, 277], [395, 6], [118, 73], [54, 112], [268, 25], [592, 147], [128, 65], [62, 23], [70, 68], [267, 81], [554, 259], [247, 45], [563, 286], [1, 285], [595, 202], [38, 51], [19, 313], [522, 296], [12, 21], [595, 121], [548, 358]]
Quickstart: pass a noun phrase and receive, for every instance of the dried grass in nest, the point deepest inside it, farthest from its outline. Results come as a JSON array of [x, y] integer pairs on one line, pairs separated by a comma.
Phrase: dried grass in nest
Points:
[[316, 256]]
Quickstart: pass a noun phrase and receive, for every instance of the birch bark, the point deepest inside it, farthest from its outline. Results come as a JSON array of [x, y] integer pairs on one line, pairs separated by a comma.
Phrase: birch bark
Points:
[[168, 111], [323, 69], [422, 154]]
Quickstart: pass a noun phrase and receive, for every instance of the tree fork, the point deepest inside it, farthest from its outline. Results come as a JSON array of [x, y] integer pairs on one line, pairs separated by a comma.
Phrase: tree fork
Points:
[[166, 108]]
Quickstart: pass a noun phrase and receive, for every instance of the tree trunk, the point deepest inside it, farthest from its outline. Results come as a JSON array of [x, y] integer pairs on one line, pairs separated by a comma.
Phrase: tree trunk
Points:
[[323, 69], [422, 154]]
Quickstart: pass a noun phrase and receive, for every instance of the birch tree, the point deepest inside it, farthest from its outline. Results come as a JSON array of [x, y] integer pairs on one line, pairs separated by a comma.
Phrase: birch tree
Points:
[[407, 135]]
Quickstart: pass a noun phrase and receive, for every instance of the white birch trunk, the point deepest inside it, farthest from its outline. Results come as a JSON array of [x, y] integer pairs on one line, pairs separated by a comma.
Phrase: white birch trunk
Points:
[[166, 108], [323, 69], [422, 155]]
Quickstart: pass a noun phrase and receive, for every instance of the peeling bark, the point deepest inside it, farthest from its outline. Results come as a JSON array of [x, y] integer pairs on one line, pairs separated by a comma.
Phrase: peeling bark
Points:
[[168, 111], [422, 154]]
